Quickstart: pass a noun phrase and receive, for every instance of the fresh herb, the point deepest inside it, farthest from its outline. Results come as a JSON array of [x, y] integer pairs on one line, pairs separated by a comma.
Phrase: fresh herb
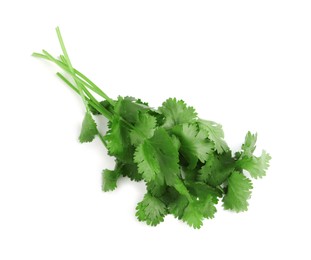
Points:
[[184, 161]]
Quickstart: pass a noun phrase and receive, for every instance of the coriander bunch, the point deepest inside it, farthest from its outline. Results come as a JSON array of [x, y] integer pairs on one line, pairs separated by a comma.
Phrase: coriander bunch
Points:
[[184, 160]]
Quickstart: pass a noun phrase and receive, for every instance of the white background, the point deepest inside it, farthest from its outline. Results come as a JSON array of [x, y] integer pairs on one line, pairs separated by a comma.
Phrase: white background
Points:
[[244, 64]]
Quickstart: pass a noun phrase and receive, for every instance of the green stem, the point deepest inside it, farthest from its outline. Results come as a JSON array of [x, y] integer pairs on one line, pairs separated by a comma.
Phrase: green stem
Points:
[[101, 137], [78, 76], [98, 90], [67, 82], [91, 101], [62, 45], [62, 65], [98, 105]]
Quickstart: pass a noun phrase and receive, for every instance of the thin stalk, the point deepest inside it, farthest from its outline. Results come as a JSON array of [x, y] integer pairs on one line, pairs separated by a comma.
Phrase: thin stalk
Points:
[[101, 137], [91, 97], [78, 76], [64, 66], [67, 82], [62, 45], [49, 57], [62, 58], [91, 102], [95, 89], [100, 92]]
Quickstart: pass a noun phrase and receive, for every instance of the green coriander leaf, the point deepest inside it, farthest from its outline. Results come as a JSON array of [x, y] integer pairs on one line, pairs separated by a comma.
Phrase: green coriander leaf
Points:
[[157, 159], [151, 209], [128, 109], [177, 112], [155, 189], [130, 170], [190, 174], [256, 166], [176, 142], [146, 159], [118, 140], [249, 145], [177, 206], [181, 188], [110, 179], [208, 206], [215, 133], [202, 190], [239, 191], [194, 144], [88, 130], [193, 215], [217, 169], [207, 197], [205, 173], [143, 129]]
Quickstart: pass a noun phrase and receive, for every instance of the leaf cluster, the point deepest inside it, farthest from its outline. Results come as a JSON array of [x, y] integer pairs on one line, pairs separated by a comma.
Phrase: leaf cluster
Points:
[[184, 161]]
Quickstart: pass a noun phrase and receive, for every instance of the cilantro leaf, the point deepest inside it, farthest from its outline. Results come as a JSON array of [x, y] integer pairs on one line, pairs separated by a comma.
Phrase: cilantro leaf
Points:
[[130, 170], [110, 179], [193, 215], [181, 188], [207, 197], [88, 130], [177, 112], [239, 191], [208, 206], [157, 158], [151, 209], [194, 143], [256, 166], [249, 145], [215, 133], [156, 189], [128, 109], [146, 159], [118, 140], [178, 206], [202, 190], [217, 169], [143, 129]]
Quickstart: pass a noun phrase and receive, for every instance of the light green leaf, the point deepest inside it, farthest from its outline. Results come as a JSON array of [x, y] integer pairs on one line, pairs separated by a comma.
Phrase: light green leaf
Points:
[[249, 145], [181, 188], [239, 191], [217, 169], [194, 143], [110, 179], [151, 209], [88, 130], [193, 215], [207, 197], [146, 159], [118, 140], [177, 112], [256, 166], [157, 159], [143, 129], [208, 206], [128, 109], [215, 134]]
